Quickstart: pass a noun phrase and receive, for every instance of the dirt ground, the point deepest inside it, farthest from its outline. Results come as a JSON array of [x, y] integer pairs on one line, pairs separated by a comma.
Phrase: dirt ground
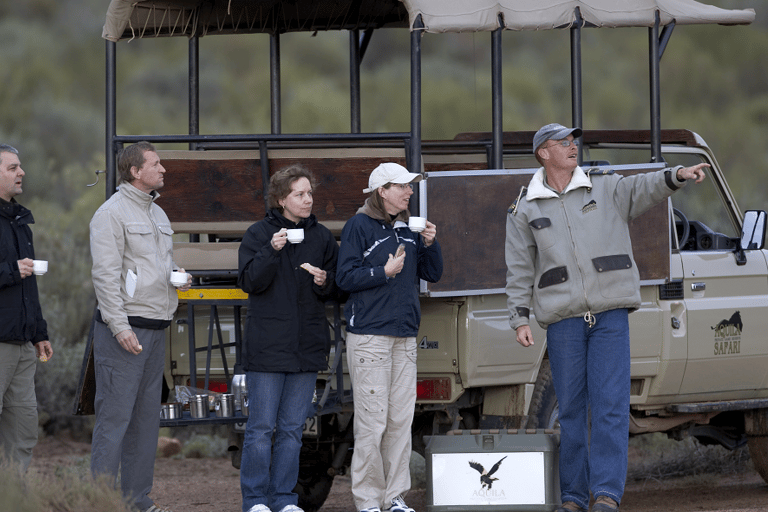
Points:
[[212, 485]]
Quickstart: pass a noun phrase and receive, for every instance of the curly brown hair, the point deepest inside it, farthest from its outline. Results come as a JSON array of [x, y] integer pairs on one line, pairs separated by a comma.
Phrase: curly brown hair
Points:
[[280, 183]]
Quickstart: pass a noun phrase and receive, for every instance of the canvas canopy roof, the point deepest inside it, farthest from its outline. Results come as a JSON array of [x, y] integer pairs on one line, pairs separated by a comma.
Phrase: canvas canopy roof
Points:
[[128, 19]]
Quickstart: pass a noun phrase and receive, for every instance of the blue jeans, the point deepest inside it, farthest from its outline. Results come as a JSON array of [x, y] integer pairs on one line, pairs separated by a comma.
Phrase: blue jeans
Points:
[[279, 402], [591, 374]]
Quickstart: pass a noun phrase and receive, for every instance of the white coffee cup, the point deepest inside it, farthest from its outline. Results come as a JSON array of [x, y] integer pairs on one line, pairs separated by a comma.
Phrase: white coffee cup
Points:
[[417, 224], [295, 236], [39, 267], [179, 279]]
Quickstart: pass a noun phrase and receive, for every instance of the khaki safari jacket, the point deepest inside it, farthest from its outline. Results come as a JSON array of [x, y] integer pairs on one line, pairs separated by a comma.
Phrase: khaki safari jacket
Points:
[[568, 254], [129, 232]]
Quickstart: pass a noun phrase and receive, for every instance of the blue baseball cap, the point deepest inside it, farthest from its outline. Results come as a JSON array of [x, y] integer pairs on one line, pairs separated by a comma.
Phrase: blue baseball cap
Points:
[[553, 131]]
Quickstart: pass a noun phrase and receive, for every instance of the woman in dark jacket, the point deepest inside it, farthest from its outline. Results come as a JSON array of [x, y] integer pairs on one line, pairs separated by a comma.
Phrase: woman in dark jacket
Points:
[[383, 316], [286, 336]]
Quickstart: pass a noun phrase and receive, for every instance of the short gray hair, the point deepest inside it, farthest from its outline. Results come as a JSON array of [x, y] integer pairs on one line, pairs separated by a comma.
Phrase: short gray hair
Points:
[[5, 148]]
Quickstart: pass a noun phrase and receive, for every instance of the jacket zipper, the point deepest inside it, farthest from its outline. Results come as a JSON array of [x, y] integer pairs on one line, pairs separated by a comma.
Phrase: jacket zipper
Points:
[[588, 317], [159, 255]]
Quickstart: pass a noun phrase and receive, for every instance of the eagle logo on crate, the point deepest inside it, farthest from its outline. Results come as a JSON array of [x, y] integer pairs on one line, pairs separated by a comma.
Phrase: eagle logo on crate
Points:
[[486, 479]]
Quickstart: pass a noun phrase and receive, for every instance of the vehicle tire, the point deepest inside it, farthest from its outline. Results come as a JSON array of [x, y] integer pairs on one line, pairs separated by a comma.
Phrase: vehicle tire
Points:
[[236, 448], [544, 410], [758, 452], [314, 482], [237, 457]]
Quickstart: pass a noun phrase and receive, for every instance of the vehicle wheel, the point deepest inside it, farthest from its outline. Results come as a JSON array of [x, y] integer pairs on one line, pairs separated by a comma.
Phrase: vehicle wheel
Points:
[[236, 448], [314, 482], [237, 457], [544, 411], [758, 452]]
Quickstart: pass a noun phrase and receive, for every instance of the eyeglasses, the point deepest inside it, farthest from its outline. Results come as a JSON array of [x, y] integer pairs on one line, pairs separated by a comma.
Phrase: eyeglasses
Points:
[[565, 143], [403, 186]]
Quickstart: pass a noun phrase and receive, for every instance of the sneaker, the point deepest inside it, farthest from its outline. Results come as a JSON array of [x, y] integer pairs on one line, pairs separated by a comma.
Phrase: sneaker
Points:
[[291, 508], [371, 509], [398, 505], [155, 508], [259, 507]]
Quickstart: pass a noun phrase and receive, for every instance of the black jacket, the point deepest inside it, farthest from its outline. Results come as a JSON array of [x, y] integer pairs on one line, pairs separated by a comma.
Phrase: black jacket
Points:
[[286, 328], [21, 318]]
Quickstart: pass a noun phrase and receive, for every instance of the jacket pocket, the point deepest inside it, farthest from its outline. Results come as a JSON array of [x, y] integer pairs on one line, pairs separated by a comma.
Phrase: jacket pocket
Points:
[[370, 368], [167, 238], [553, 276], [543, 232], [549, 295], [139, 237], [613, 262], [615, 276]]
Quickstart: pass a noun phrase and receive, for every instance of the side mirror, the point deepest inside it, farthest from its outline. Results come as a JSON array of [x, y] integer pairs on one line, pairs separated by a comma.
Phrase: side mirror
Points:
[[753, 230]]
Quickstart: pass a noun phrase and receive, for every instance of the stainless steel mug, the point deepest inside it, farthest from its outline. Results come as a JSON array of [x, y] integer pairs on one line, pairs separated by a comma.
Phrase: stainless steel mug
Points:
[[198, 406], [225, 406]]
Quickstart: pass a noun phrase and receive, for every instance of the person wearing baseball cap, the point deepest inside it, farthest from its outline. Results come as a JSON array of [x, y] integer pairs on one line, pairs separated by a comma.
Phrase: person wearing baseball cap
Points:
[[569, 261], [380, 259]]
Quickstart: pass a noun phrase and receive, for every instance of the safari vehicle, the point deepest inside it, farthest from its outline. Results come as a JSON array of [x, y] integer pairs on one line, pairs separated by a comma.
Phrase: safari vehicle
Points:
[[699, 351]]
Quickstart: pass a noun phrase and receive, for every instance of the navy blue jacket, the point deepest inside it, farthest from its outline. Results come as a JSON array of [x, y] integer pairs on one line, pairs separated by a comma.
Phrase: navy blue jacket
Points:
[[378, 305], [21, 318], [286, 327]]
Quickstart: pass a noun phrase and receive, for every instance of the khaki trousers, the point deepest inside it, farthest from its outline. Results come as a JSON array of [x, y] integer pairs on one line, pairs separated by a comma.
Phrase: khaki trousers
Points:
[[383, 373], [18, 404]]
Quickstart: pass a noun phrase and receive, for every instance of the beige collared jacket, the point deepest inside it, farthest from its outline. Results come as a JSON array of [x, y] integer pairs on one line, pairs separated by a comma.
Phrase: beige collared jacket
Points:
[[132, 236]]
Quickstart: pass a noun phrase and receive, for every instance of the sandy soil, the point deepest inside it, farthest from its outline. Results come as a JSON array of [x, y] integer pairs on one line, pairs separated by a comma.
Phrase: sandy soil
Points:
[[212, 485]]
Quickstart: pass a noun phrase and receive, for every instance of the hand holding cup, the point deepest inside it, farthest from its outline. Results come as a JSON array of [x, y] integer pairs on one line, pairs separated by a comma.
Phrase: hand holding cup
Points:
[[279, 239], [40, 267], [180, 279]]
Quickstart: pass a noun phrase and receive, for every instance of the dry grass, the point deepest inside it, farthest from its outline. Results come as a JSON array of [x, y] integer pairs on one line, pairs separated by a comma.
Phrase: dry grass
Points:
[[67, 490], [654, 457]]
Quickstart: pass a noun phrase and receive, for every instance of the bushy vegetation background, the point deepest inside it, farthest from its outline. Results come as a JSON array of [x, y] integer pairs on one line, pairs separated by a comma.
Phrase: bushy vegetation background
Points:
[[714, 81]]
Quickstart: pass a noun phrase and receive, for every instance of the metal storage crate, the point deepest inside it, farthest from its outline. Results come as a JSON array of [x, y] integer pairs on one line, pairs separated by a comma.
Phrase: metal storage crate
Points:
[[493, 470]]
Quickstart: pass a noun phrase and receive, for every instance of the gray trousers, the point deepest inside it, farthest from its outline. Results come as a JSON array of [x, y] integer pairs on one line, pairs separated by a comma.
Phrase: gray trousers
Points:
[[127, 403], [18, 404]]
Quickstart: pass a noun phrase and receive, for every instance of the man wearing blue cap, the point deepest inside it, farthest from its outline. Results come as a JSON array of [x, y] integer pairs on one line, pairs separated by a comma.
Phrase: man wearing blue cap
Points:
[[569, 259]]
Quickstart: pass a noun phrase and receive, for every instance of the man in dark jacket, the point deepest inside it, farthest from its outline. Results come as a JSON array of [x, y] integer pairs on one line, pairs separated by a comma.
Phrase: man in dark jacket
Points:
[[23, 331]]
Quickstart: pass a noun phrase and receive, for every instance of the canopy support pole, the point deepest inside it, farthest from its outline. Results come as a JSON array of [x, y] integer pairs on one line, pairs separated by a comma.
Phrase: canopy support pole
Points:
[[354, 80], [497, 145], [194, 88], [654, 57], [577, 119], [111, 115], [666, 34], [414, 146], [274, 81]]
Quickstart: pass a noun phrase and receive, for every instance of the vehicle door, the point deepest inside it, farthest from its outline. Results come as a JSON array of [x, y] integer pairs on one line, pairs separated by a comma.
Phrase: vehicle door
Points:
[[725, 301]]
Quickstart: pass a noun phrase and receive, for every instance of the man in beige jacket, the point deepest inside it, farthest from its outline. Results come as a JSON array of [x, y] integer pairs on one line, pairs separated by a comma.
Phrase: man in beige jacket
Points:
[[132, 251]]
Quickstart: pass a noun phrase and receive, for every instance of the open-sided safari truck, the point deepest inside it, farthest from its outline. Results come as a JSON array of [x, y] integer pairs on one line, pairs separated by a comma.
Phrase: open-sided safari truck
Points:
[[699, 351]]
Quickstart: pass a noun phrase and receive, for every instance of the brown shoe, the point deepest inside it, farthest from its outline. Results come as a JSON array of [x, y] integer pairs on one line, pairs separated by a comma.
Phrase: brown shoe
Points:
[[605, 504], [570, 506]]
